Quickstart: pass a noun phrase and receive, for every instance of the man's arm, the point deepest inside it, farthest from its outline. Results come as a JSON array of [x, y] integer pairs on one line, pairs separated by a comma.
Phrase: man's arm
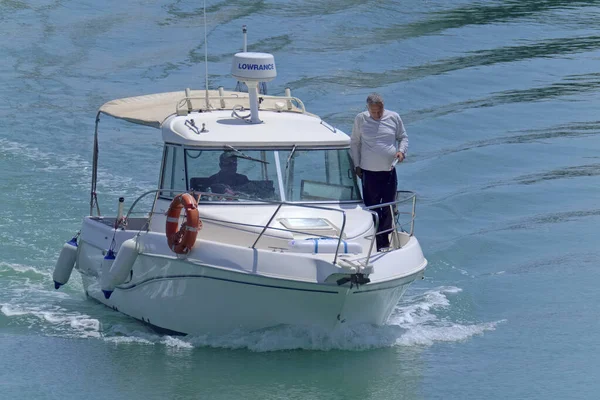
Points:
[[355, 143], [402, 139]]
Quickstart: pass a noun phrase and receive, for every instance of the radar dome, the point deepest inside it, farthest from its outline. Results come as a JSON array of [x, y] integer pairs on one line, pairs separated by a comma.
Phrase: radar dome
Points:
[[253, 67]]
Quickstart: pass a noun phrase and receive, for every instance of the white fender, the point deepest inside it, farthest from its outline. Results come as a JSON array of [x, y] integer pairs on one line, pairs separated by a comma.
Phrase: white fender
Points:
[[324, 245], [107, 263], [117, 271], [65, 263]]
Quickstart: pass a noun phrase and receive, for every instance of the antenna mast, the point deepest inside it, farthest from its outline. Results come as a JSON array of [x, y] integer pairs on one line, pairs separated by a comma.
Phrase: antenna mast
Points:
[[245, 32], [206, 57]]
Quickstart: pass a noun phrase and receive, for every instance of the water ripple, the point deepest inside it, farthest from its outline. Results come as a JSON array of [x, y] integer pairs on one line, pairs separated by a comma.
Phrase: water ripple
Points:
[[220, 13], [480, 14], [572, 130], [507, 54], [312, 8], [561, 173]]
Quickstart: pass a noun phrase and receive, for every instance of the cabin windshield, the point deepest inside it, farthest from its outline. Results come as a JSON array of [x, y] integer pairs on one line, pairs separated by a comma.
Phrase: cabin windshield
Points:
[[250, 174], [307, 174], [318, 175]]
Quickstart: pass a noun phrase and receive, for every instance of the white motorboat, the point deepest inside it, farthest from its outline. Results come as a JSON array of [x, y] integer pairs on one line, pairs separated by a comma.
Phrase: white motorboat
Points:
[[283, 239]]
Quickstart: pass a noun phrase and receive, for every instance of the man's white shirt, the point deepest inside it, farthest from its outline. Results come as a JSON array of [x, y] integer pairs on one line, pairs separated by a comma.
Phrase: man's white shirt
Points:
[[374, 144]]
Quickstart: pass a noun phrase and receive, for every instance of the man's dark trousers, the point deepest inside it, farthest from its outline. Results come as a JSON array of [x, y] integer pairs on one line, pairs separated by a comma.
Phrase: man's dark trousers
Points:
[[380, 187]]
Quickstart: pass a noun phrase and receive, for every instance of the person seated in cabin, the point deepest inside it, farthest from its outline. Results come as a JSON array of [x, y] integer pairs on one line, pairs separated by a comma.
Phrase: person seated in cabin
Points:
[[227, 180]]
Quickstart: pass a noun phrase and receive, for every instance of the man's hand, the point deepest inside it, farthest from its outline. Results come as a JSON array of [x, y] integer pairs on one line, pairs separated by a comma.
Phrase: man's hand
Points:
[[400, 156], [218, 188], [358, 172]]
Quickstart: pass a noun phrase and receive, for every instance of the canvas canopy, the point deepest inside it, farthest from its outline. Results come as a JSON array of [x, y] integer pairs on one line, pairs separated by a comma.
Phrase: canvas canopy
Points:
[[153, 109], [149, 110]]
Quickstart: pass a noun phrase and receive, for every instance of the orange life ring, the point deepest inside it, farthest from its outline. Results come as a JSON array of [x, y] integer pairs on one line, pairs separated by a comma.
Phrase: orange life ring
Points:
[[182, 239]]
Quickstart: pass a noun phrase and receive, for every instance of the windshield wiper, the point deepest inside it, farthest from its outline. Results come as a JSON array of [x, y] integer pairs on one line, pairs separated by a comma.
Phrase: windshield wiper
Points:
[[287, 163], [244, 156]]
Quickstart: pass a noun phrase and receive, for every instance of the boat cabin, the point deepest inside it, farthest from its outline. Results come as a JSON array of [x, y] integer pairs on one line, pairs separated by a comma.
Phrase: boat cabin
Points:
[[290, 157], [285, 177]]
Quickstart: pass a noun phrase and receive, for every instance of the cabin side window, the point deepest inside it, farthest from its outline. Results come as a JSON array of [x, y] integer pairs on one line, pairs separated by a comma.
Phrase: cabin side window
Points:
[[173, 173], [319, 175]]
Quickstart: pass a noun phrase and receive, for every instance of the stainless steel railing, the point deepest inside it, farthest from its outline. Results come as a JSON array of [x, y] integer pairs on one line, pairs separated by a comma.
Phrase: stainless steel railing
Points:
[[251, 202], [395, 214], [401, 198], [227, 101]]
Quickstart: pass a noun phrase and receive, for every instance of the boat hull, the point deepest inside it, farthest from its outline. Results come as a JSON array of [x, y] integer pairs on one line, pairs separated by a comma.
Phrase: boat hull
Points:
[[220, 288], [216, 303]]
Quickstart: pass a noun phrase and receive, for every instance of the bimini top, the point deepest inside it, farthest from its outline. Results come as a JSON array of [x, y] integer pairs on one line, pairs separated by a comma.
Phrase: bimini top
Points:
[[186, 119], [150, 110]]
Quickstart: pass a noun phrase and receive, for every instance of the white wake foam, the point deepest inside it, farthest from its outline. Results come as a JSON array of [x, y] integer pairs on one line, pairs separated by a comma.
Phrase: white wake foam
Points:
[[52, 320], [419, 320], [22, 269], [422, 318]]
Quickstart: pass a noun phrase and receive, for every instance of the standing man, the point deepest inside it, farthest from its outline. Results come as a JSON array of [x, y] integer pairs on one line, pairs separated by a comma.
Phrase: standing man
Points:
[[378, 141]]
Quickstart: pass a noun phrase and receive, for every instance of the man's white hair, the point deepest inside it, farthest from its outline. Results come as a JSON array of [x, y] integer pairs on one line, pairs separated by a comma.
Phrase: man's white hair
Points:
[[374, 98]]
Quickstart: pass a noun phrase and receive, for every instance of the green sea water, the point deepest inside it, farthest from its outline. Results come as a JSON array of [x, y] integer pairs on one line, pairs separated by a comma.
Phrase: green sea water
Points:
[[501, 103]]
